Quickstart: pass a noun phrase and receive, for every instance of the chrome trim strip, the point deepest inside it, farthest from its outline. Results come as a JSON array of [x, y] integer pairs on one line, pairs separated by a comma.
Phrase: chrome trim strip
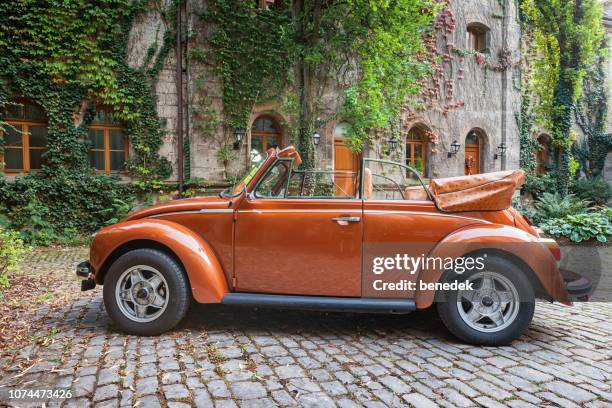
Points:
[[202, 211], [425, 213], [301, 211], [366, 212], [216, 210], [172, 213]]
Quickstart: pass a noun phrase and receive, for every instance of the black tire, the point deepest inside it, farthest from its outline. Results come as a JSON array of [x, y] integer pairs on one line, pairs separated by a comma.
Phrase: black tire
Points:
[[449, 313], [178, 292]]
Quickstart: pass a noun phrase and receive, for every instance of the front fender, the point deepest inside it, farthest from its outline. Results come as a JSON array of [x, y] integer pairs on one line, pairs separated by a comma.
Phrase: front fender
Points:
[[498, 238], [206, 277]]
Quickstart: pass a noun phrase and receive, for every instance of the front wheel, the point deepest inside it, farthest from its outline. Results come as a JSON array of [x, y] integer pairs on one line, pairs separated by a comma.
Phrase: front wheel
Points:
[[146, 292], [496, 311]]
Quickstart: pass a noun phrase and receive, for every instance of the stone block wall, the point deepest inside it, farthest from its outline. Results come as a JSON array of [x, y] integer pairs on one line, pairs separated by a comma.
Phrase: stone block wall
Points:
[[481, 90]]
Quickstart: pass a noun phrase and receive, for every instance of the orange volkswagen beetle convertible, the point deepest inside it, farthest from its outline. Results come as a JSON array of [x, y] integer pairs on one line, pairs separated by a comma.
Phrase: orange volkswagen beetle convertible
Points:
[[378, 242]]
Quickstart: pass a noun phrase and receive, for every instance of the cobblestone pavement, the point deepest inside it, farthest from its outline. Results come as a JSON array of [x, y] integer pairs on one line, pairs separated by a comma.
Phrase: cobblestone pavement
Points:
[[228, 357]]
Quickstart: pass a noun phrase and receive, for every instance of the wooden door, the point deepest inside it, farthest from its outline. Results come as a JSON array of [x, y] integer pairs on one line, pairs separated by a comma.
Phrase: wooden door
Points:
[[472, 159], [346, 169]]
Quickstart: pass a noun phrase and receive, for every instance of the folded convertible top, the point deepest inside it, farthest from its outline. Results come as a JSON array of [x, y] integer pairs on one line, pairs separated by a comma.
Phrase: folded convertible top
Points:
[[479, 192]]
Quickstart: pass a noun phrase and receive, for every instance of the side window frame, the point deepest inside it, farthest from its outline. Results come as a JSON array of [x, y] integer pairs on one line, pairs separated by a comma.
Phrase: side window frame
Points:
[[412, 170], [253, 194]]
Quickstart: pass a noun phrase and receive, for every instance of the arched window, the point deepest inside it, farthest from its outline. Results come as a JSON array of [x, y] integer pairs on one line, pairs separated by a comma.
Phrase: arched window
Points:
[[264, 135], [543, 156], [478, 37], [265, 4], [473, 147], [108, 151], [25, 137], [342, 129], [416, 149]]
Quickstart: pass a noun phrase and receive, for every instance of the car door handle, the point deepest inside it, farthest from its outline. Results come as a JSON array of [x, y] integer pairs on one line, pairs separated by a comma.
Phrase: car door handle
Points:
[[346, 220]]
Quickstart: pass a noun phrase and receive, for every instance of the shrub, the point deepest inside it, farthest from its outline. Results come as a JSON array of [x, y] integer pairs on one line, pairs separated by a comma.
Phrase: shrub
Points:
[[12, 250], [539, 184], [581, 227], [524, 210], [596, 190], [553, 205], [56, 210]]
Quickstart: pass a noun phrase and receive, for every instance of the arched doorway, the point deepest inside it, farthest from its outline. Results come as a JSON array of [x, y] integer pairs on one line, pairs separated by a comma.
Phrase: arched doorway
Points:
[[346, 162], [543, 156], [473, 148], [265, 134], [416, 150]]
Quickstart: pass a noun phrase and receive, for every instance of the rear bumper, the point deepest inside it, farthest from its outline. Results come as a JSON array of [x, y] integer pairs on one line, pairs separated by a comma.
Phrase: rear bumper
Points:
[[579, 288], [85, 272]]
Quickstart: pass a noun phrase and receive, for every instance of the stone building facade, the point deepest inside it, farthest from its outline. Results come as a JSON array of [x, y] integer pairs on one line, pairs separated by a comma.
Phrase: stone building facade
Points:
[[485, 102], [607, 20]]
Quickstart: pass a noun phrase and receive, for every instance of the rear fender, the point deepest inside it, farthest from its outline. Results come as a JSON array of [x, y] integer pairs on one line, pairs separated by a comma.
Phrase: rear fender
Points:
[[497, 239], [206, 277]]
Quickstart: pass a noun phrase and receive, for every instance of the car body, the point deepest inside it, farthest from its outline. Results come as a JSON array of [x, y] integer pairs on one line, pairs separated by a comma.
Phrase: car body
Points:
[[268, 243]]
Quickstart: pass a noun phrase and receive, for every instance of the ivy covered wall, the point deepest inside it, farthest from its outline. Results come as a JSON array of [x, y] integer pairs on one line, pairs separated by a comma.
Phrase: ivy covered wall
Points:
[[70, 58], [245, 71], [564, 92]]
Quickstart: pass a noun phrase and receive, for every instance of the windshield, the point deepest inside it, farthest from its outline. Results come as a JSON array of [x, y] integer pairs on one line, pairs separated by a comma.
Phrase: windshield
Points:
[[237, 188]]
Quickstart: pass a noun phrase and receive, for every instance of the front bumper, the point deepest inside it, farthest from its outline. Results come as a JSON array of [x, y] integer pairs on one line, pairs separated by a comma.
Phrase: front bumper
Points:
[[84, 271]]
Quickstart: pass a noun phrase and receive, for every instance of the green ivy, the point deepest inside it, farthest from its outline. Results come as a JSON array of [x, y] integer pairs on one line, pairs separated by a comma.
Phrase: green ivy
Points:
[[293, 50], [69, 56], [249, 53], [566, 37]]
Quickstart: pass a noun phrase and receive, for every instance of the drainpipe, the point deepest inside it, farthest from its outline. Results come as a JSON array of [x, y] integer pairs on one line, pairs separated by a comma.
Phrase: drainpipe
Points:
[[179, 98], [504, 83]]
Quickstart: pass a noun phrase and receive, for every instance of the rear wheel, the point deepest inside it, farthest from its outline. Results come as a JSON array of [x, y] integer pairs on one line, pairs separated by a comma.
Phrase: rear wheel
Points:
[[496, 311], [146, 292]]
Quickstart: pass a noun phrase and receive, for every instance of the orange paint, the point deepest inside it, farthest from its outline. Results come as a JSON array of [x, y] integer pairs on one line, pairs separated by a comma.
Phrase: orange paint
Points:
[[313, 246]]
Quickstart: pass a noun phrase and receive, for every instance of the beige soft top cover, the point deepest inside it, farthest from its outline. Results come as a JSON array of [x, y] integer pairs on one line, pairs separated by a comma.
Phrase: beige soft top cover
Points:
[[479, 192]]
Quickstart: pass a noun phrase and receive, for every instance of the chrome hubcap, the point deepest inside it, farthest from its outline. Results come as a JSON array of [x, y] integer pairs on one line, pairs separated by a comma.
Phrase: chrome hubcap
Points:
[[142, 293], [491, 307]]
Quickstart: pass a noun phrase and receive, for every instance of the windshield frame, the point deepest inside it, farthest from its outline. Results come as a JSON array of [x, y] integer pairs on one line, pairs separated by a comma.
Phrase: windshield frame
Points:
[[241, 187]]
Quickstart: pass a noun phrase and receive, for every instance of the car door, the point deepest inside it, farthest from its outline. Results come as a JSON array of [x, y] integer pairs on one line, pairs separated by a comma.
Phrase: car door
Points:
[[399, 220], [288, 242]]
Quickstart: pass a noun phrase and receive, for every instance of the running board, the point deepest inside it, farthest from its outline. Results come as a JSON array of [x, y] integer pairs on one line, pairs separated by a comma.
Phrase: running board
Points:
[[321, 303]]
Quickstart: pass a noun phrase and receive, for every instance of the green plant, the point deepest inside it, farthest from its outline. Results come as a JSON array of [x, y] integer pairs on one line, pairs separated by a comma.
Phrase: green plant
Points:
[[69, 56], [539, 184], [597, 190], [524, 210], [12, 251], [566, 37], [553, 205], [374, 49], [580, 227], [59, 209]]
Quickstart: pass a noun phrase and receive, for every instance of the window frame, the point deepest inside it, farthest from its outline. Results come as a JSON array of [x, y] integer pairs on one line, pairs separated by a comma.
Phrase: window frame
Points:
[[107, 128], [478, 33], [25, 148], [253, 193], [408, 168], [422, 141], [264, 136]]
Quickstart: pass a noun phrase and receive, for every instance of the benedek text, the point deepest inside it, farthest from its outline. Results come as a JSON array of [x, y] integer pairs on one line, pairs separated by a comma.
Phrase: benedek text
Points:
[[411, 285]]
